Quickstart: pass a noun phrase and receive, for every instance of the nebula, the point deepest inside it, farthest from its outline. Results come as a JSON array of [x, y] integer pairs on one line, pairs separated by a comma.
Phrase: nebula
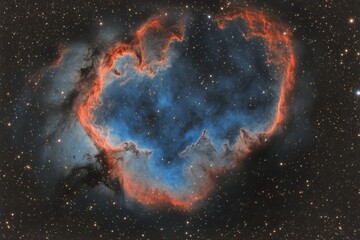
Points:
[[165, 127]]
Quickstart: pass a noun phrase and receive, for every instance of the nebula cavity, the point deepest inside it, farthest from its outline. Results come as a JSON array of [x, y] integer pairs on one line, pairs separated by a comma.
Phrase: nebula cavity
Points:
[[168, 108]]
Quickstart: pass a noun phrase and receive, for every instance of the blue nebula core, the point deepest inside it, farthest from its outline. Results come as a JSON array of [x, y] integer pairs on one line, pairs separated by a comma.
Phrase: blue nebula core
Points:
[[216, 81]]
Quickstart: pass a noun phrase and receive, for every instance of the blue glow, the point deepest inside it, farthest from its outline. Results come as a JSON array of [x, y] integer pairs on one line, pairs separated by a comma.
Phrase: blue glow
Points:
[[200, 90]]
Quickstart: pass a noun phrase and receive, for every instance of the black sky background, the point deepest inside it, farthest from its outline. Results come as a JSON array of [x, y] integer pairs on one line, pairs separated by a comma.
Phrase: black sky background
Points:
[[302, 185]]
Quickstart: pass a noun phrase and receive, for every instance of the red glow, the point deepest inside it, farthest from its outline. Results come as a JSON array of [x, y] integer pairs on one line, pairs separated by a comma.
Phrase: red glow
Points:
[[280, 52], [282, 55]]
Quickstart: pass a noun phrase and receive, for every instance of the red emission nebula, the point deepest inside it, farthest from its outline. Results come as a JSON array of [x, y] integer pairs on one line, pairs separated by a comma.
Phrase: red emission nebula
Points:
[[280, 54]]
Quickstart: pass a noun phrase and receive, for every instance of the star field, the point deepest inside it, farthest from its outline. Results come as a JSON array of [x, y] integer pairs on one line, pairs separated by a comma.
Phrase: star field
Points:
[[302, 184]]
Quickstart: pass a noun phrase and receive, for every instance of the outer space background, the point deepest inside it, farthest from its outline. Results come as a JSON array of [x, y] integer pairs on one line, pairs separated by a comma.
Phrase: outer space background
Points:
[[304, 183]]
